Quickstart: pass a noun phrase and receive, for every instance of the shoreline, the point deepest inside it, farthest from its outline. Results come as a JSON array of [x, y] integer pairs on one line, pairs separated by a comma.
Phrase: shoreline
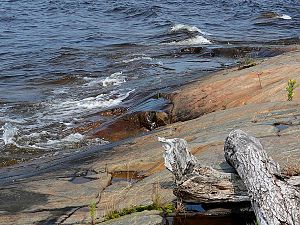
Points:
[[203, 112], [150, 110]]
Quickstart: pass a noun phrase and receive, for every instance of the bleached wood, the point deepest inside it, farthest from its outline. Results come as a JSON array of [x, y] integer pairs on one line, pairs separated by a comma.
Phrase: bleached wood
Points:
[[273, 199], [177, 157], [196, 183]]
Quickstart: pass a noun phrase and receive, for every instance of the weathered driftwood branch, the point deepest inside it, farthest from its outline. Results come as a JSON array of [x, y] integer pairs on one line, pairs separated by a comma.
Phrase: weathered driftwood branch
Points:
[[273, 199], [205, 185], [196, 183]]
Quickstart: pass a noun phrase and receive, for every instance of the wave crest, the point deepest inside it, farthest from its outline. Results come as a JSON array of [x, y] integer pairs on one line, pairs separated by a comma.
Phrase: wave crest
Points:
[[9, 133], [191, 41], [285, 17], [112, 80], [184, 27]]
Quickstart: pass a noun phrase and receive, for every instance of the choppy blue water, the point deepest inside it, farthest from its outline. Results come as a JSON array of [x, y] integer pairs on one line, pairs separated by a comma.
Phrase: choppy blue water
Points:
[[63, 60]]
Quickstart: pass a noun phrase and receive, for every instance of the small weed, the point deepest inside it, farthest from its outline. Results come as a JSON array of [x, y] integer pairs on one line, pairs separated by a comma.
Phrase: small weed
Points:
[[157, 204], [156, 196], [167, 208], [258, 75], [92, 209], [246, 62], [291, 86], [110, 206]]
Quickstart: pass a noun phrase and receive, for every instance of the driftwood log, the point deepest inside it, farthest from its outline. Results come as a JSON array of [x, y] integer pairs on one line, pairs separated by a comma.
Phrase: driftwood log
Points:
[[200, 184], [275, 200]]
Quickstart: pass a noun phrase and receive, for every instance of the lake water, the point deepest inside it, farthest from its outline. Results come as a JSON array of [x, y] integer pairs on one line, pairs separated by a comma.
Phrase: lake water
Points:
[[63, 61]]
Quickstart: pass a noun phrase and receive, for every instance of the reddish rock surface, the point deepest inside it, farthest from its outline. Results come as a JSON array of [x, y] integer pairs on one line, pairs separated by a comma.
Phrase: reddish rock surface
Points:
[[265, 82]]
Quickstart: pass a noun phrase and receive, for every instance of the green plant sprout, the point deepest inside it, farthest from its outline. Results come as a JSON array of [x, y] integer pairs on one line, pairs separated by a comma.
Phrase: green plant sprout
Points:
[[92, 208], [167, 208], [291, 86], [247, 62]]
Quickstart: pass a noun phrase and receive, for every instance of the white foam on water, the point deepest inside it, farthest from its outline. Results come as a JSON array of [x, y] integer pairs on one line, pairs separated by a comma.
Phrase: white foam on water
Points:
[[69, 141], [100, 101], [72, 138], [77, 137], [48, 128], [9, 133], [49, 141], [137, 59], [285, 17], [191, 41], [114, 79], [11, 120], [63, 90], [179, 27], [59, 111], [36, 134], [60, 142], [68, 124]]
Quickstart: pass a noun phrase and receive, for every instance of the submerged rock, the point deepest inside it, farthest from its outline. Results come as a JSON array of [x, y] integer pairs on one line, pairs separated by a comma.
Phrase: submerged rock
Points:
[[133, 123]]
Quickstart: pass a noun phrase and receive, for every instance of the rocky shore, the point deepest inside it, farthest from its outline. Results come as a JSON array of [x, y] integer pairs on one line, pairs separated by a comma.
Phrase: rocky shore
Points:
[[59, 189]]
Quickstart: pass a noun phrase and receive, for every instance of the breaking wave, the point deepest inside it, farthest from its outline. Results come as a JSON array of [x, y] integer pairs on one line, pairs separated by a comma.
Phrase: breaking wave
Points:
[[76, 107], [285, 17], [137, 59], [52, 127], [191, 41], [113, 79], [9, 133], [183, 27], [183, 34]]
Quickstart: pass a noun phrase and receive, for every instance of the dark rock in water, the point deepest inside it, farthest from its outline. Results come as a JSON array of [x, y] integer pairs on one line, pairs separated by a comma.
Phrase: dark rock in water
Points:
[[287, 41], [120, 129], [237, 52], [192, 50], [230, 52], [63, 80], [133, 124], [267, 15], [5, 161], [113, 112], [86, 127], [162, 119], [145, 116], [97, 119]]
